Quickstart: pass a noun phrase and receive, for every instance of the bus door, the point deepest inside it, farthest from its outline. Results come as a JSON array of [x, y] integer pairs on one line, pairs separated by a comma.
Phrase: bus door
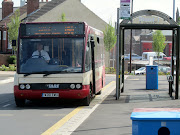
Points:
[[92, 43]]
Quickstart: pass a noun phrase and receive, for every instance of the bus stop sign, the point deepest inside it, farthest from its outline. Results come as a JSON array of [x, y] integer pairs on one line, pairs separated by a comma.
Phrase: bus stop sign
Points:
[[125, 9]]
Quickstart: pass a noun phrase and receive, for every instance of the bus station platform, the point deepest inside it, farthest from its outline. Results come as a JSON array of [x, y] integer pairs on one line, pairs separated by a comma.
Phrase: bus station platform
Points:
[[113, 116]]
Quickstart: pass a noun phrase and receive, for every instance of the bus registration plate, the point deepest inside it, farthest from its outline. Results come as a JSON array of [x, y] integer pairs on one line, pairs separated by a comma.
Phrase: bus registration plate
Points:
[[50, 94]]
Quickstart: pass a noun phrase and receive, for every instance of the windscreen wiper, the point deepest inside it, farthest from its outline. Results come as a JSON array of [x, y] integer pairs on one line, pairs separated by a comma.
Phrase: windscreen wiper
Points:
[[27, 74], [54, 73]]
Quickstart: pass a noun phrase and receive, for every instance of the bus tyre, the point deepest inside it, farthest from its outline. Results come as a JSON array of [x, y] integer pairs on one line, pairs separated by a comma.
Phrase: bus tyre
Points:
[[99, 93], [86, 100], [20, 102]]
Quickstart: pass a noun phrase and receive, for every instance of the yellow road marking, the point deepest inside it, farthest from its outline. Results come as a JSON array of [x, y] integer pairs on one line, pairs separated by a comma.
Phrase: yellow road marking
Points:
[[108, 85], [61, 122]]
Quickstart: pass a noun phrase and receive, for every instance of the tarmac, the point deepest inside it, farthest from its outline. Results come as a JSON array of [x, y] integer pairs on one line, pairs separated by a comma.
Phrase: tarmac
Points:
[[113, 116], [106, 115]]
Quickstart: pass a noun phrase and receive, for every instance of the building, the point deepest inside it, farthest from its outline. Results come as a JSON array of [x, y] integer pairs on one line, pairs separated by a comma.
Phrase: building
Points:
[[147, 40]]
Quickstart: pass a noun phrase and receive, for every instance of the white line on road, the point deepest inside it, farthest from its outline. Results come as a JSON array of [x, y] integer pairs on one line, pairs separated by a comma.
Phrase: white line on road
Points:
[[10, 79], [6, 105]]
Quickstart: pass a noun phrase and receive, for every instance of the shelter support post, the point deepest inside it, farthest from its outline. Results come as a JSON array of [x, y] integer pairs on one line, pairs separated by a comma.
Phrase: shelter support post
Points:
[[117, 58], [122, 90], [177, 63]]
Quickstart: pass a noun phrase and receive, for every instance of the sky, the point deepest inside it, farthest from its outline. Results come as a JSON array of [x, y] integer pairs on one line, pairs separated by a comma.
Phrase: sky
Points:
[[107, 9]]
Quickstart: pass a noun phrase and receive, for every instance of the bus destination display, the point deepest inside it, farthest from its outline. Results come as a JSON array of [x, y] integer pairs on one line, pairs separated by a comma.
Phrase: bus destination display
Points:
[[53, 29]]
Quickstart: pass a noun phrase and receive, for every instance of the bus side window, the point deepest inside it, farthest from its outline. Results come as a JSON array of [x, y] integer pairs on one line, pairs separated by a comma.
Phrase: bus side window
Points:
[[88, 57]]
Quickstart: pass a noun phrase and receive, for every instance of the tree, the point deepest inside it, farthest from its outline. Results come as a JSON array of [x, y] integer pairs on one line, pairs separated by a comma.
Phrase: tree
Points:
[[178, 21], [109, 38], [158, 42], [13, 27], [62, 18]]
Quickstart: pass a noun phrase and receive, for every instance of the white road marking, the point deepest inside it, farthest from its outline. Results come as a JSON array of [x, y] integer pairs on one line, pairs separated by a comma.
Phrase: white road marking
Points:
[[6, 105], [10, 79]]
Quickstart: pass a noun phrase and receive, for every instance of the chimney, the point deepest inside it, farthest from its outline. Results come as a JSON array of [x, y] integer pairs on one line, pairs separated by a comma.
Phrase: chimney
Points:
[[32, 5], [7, 8]]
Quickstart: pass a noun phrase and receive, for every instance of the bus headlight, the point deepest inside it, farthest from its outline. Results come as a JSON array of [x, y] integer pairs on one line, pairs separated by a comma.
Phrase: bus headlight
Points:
[[22, 86], [28, 86], [78, 86], [72, 86]]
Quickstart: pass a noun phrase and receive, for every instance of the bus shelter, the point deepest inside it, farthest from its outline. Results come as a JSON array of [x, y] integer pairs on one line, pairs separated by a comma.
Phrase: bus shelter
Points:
[[155, 20]]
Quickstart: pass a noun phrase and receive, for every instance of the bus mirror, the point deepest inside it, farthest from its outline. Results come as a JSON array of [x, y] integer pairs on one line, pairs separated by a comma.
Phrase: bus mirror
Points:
[[92, 42], [13, 42]]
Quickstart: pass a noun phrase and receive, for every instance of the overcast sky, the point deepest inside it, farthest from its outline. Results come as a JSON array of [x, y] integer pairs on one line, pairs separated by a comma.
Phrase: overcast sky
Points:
[[107, 9]]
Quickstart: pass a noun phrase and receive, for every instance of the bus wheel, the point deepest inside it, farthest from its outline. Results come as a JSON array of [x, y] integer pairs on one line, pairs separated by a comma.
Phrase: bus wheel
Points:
[[99, 93], [20, 102], [86, 101]]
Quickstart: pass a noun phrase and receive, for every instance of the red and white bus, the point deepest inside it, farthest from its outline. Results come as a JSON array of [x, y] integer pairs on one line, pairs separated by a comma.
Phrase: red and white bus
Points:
[[74, 69]]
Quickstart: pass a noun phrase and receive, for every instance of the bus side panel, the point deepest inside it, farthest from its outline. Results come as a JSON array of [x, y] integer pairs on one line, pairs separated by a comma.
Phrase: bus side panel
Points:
[[100, 78]]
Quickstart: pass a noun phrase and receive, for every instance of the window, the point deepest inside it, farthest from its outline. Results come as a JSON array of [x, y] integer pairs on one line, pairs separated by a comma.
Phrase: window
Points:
[[88, 58], [65, 55]]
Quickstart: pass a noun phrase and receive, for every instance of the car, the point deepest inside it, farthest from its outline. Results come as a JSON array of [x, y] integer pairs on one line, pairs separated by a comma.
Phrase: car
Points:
[[140, 71], [164, 69], [133, 57], [166, 58]]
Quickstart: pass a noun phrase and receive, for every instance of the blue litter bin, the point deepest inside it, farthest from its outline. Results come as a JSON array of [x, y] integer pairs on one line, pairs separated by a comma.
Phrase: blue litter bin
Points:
[[151, 77], [156, 121]]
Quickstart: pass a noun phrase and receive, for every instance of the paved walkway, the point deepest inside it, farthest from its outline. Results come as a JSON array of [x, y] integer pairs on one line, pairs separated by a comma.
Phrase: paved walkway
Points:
[[113, 116]]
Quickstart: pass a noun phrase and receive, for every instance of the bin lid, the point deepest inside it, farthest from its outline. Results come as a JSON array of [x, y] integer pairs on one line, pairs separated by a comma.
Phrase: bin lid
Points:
[[156, 114], [151, 65]]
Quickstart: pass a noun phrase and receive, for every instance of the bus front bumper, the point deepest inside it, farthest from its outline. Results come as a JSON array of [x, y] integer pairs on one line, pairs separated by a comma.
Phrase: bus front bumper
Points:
[[62, 94]]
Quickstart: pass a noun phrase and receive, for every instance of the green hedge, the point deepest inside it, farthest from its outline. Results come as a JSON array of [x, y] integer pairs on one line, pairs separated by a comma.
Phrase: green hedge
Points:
[[12, 59], [11, 67]]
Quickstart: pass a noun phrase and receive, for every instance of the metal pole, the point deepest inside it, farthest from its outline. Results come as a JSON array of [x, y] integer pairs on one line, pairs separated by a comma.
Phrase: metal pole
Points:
[[117, 57], [131, 39], [173, 9]]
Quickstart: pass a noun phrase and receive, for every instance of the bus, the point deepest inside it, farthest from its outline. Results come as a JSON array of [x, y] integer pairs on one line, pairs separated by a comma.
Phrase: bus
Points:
[[71, 64]]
